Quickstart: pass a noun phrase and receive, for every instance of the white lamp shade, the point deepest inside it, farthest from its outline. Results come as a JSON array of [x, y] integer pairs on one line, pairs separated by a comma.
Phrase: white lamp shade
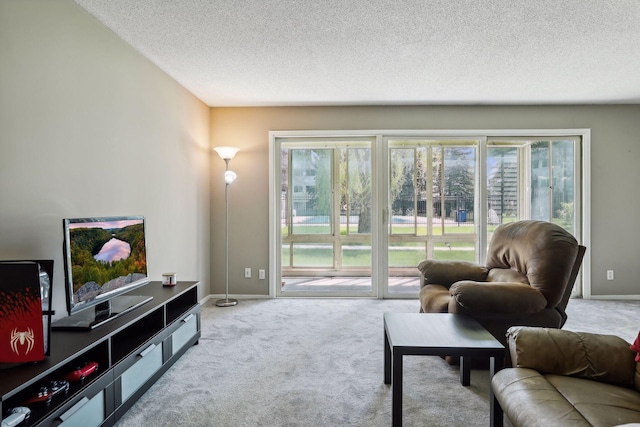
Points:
[[226, 153]]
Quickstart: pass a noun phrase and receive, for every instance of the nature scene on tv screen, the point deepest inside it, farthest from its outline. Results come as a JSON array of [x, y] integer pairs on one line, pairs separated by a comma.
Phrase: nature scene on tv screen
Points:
[[106, 256]]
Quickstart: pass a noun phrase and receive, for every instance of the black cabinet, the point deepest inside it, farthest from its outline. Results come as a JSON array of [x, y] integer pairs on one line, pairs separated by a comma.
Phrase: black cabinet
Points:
[[132, 352]]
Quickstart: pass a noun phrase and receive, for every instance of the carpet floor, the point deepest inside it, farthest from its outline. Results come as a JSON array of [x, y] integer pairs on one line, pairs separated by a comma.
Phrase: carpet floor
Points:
[[304, 362]]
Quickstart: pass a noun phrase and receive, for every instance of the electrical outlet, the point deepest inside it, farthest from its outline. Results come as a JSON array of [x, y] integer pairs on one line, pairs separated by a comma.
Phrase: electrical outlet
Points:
[[609, 274], [247, 273], [261, 274]]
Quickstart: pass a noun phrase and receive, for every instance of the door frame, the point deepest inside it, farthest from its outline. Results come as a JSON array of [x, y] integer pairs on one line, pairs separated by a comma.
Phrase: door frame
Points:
[[380, 214]]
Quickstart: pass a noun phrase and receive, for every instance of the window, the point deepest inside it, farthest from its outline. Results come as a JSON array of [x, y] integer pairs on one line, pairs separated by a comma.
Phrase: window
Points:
[[365, 210]]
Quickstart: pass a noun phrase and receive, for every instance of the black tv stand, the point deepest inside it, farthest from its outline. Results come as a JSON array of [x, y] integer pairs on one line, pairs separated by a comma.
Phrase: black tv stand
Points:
[[104, 312], [132, 352]]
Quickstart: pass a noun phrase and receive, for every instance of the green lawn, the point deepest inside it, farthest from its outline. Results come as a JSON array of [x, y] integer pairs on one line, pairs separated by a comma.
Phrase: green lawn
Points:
[[397, 229], [323, 257]]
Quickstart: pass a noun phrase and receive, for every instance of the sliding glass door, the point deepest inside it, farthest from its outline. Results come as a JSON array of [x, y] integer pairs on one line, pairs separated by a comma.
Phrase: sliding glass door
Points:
[[326, 218], [356, 214]]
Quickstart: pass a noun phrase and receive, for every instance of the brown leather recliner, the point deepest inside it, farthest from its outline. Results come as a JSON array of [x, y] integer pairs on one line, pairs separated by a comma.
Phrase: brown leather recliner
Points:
[[564, 378], [530, 272]]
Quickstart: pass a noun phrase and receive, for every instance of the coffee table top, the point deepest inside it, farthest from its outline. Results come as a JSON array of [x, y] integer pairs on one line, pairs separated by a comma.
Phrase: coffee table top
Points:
[[438, 331]]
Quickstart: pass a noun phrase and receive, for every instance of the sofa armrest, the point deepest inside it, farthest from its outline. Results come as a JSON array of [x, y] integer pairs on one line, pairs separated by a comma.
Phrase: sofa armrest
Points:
[[446, 273], [604, 358], [498, 297]]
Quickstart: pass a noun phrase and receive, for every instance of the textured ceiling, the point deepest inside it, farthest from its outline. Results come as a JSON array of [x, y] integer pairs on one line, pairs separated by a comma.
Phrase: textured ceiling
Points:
[[387, 52]]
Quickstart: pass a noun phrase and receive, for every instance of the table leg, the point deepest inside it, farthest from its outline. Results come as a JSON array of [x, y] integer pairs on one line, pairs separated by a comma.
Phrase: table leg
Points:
[[387, 359], [396, 390], [495, 410], [465, 371]]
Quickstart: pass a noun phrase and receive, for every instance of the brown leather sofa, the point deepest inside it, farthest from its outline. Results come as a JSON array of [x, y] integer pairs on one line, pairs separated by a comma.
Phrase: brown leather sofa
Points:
[[563, 378], [530, 271]]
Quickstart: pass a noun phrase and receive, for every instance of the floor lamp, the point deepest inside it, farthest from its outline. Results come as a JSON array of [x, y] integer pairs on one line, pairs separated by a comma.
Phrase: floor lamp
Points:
[[227, 153]]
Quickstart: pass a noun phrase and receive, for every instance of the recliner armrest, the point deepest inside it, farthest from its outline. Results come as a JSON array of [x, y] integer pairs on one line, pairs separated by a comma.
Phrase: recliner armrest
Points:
[[498, 297], [604, 358], [446, 273]]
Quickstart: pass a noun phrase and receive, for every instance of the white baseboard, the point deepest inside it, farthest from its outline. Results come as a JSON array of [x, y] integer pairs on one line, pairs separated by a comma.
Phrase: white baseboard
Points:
[[238, 297], [616, 297], [241, 297]]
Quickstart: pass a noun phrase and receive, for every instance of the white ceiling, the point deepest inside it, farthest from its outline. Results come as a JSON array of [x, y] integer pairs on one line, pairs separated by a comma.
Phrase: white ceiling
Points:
[[388, 52]]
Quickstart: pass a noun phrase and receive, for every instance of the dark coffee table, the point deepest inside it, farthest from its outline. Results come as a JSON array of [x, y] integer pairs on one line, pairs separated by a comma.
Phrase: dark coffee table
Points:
[[437, 334]]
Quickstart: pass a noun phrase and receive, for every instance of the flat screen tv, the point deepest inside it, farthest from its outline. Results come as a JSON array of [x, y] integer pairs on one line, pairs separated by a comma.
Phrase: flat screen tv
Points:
[[104, 259]]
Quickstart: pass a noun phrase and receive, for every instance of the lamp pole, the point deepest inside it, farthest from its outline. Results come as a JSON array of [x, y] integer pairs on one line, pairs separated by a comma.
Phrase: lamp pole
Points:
[[227, 154]]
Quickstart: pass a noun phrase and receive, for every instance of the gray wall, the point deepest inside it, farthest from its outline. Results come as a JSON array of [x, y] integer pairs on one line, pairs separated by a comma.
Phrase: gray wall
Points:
[[88, 127], [79, 108], [615, 138]]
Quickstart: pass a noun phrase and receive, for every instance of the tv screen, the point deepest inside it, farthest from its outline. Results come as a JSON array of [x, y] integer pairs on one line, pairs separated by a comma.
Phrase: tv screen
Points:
[[104, 257]]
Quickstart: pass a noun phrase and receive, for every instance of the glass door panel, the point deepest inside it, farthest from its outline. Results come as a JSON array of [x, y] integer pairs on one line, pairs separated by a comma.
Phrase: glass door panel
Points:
[[432, 199], [457, 189], [355, 212], [545, 168], [311, 195], [407, 217], [540, 181], [326, 206], [503, 189], [402, 191], [563, 184], [553, 182]]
